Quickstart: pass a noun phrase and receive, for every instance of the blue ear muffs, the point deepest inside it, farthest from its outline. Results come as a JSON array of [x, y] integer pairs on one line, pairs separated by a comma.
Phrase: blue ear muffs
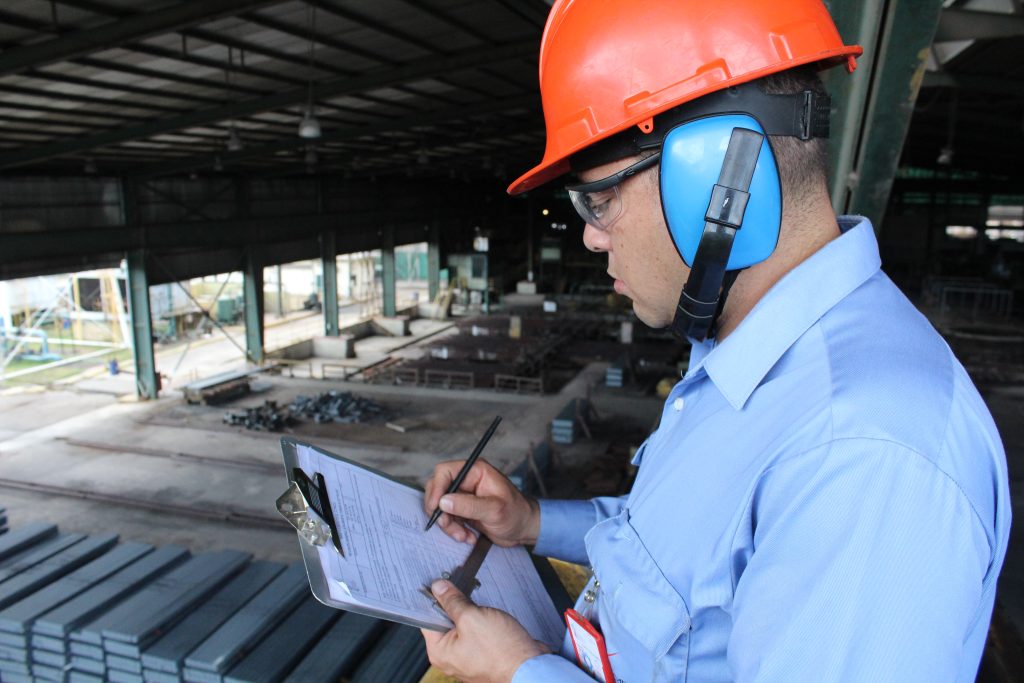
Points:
[[691, 162], [720, 227]]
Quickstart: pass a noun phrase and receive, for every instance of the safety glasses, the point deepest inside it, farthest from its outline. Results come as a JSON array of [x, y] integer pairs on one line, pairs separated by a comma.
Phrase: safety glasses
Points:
[[599, 202]]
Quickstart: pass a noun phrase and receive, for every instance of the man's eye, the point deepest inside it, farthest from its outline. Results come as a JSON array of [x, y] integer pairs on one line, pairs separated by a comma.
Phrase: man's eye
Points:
[[599, 203]]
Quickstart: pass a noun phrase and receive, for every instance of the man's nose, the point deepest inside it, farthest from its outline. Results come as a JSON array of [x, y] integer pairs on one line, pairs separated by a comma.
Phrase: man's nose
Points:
[[596, 240]]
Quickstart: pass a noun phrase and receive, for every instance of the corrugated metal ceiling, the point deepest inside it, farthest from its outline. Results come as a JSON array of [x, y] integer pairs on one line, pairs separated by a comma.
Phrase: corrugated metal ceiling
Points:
[[118, 106]]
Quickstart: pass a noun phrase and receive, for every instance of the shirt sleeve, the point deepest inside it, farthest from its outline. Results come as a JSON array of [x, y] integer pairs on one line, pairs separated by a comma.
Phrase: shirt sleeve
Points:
[[564, 523], [547, 668], [868, 565]]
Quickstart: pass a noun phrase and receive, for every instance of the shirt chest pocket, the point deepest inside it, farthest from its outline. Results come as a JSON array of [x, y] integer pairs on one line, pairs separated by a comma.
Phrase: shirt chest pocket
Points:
[[645, 622]]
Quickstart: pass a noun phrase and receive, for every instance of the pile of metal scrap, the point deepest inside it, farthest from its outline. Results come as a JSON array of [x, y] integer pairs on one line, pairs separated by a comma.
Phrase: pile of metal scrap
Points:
[[336, 406], [268, 417]]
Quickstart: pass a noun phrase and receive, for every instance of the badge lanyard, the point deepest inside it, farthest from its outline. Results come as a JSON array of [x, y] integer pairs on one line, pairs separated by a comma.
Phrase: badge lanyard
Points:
[[587, 641]]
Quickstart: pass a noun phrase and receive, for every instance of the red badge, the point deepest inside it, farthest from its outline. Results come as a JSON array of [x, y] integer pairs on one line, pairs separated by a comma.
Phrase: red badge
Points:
[[591, 652]]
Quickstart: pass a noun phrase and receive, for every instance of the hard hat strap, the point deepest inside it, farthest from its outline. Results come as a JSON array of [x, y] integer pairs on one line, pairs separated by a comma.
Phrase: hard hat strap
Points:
[[802, 115], [702, 298]]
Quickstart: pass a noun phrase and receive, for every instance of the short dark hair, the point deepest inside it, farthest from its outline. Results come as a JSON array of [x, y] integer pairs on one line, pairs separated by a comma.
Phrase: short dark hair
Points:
[[803, 164]]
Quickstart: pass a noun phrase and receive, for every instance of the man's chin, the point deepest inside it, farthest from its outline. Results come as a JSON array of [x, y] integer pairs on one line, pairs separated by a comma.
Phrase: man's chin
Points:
[[649, 318]]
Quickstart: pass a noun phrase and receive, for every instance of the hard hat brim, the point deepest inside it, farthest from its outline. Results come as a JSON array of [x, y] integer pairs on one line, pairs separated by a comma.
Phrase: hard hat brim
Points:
[[549, 169]]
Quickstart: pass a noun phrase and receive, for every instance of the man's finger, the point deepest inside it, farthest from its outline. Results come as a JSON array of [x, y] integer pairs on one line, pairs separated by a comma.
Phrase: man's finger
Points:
[[453, 527], [428, 496], [470, 507], [453, 602]]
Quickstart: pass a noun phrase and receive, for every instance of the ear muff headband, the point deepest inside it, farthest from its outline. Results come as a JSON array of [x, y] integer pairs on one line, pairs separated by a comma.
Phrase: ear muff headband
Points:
[[699, 301]]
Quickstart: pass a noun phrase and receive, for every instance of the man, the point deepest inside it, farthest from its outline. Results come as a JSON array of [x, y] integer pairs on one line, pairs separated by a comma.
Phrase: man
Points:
[[826, 496]]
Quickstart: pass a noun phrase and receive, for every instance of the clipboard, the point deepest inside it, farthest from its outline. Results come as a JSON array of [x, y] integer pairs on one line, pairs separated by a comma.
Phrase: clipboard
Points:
[[308, 506]]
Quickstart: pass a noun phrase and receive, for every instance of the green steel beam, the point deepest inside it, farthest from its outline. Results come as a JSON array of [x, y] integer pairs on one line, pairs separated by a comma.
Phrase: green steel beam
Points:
[[387, 258], [858, 23], [434, 260], [111, 34], [252, 297], [908, 31], [85, 242], [146, 381], [329, 260]]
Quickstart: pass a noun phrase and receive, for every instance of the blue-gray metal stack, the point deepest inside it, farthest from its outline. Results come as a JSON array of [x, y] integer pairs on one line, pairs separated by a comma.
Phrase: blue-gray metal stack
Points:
[[525, 475], [613, 376], [563, 427], [87, 609], [3, 521]]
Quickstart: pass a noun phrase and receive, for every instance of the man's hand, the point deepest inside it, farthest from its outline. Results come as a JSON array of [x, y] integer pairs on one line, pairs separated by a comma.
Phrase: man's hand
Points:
[[486, 645], [488, 500]]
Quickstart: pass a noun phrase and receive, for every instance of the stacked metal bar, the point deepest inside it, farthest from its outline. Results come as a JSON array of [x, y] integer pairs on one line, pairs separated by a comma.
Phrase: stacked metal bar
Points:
[[16, 620], [3, 521], [229, 644], [163, 661], [383, 665], [563, 427], [613, 376], [120, 634], [53, 634], [87, 609]]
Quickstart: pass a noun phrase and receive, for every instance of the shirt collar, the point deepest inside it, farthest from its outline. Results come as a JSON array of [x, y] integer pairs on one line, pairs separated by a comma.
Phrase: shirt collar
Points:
[[797, 301]]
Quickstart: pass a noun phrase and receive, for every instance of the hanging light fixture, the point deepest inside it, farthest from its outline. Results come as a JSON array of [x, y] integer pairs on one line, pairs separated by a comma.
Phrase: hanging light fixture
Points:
[[947, 151], [309, 126], [235, 143]]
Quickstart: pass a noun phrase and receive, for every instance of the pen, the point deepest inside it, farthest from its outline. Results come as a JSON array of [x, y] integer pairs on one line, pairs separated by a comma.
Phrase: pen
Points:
[[457, 482]]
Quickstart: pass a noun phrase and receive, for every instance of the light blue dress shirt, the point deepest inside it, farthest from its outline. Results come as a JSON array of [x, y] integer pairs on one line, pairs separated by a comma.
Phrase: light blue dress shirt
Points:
[[825, 499]]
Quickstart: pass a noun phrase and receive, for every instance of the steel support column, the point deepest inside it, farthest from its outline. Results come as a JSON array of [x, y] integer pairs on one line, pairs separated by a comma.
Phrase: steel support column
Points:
[[252, 294], [329, 265], [909, 28], [147, 383], [876, 103], [387, 258], [434, 260], [858, 23]]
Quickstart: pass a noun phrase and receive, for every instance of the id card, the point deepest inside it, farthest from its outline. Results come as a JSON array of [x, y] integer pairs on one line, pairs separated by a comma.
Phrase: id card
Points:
[[591, 653]]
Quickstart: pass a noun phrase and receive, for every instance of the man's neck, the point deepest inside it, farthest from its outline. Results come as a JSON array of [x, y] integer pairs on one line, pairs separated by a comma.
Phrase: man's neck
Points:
[[803, 233]]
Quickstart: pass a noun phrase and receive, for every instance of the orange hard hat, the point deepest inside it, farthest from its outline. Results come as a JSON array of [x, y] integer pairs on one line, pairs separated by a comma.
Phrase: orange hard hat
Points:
[[606, 65]]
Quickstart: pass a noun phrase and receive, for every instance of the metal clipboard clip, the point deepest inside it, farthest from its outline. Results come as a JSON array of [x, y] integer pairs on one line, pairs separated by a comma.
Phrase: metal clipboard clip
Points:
[[464, 576], [307, 507]]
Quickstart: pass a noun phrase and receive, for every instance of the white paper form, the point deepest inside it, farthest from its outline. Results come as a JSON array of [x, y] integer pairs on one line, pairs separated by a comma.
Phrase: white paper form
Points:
[[388, 557]]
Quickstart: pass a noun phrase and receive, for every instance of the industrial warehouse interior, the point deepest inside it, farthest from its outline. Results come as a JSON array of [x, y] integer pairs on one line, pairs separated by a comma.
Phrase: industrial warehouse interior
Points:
[[227, 222]]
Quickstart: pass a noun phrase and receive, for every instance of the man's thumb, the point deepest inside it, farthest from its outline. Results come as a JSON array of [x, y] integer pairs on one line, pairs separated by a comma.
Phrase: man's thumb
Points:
[[452, 601]]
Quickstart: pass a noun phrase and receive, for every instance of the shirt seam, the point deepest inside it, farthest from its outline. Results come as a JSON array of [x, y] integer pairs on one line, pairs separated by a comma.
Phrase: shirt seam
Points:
[[831, 442]]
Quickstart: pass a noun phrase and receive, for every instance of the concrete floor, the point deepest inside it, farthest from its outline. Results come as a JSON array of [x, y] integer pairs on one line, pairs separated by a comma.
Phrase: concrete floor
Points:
[[168, 472]]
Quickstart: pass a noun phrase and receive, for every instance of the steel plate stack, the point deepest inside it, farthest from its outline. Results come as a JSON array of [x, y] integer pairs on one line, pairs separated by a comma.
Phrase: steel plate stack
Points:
[[87, 609]]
